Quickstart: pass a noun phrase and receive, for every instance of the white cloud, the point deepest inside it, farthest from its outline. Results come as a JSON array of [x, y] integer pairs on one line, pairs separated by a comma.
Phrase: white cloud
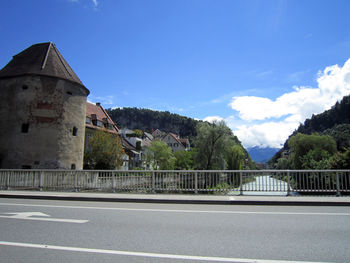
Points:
[[290, 108], [333, 84], [106, 100], [269, 134], [95, 2], [213, 119]]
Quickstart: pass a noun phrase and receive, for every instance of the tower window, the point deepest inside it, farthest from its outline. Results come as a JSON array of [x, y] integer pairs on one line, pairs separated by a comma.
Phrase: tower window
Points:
[[69, 93], [75, 131], [25, 127], [73, 167], [24, 87]]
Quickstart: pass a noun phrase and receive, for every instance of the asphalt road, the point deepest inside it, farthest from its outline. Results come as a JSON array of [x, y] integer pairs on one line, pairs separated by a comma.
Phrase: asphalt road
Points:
[[65, 231]]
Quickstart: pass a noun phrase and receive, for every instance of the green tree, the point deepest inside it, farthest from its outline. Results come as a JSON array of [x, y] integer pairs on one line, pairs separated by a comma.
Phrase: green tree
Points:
[[341, 160], [184, 160], [235, 157], [301, 144], [211, 143], [282, 164], [160, 156], [138, 133], [316, 159], [104, 151]]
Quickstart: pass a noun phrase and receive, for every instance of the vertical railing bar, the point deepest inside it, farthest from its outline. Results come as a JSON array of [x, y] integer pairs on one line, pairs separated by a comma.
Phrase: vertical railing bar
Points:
[[41, 181], [288, 183], [337, 184], [196, 182], [240, 183]]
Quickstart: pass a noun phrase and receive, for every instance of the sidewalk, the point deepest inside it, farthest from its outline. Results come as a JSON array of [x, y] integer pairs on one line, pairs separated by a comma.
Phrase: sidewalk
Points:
[[181, 199]]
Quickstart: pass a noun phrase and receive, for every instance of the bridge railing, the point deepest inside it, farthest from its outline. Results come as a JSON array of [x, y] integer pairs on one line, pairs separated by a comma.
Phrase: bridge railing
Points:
[[197, 181]]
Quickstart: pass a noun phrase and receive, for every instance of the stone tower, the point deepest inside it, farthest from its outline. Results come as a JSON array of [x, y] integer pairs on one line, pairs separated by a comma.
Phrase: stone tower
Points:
[[42, 112]]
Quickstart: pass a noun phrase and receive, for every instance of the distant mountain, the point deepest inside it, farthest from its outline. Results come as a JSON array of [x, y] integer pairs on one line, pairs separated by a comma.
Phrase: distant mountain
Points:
[[261, 155]]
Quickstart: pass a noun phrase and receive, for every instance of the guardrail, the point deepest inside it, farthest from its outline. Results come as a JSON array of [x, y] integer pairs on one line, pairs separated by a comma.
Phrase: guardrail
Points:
[[197, 181]]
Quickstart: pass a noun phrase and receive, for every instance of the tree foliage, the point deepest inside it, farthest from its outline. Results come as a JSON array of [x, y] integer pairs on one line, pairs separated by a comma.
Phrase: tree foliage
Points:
[[104, 151], [217, 148], [341, 160], [341, 134], [211, 142], [334, 122], [159, 156], [235, 157], [184, 160], [310, 151]]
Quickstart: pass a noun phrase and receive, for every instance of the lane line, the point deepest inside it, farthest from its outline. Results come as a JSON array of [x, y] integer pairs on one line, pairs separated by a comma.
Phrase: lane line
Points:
[[145, 254], [177, 210], [61, 220]]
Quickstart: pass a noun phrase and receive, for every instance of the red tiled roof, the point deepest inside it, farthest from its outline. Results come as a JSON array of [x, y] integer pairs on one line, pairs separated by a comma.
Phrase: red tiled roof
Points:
[[101, 115]]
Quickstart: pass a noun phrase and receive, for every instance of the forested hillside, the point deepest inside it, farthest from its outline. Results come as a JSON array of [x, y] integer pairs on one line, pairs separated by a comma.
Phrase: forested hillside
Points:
[[338, 114], [146, 120], [334, 123]]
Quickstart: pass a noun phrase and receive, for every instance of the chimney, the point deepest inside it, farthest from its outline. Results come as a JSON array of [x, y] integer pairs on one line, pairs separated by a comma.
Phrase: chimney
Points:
[[98, 104]]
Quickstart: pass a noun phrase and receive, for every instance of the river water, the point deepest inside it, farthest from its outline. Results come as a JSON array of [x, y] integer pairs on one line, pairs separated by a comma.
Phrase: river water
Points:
[[264, 185]]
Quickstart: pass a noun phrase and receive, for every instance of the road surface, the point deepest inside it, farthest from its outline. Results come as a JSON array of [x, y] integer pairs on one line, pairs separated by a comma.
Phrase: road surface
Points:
[[72, 231]]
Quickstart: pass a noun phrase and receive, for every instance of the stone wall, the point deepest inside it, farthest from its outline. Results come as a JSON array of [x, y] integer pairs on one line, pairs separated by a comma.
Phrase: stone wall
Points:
[[42, 123]]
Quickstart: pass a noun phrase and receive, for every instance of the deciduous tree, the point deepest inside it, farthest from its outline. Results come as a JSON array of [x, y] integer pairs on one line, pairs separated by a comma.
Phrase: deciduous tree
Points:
[[104, 151], [160, 156]]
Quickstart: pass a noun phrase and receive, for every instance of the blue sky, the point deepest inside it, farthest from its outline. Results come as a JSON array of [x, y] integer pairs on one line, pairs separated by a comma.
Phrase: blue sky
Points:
[[261, 65]]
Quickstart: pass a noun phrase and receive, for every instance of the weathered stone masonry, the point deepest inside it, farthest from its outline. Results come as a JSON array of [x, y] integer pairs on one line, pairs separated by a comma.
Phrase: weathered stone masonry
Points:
[[42, 113]]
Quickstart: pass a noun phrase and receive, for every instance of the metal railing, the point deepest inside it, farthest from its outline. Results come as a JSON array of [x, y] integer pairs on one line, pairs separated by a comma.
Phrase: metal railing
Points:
[[197, 181]]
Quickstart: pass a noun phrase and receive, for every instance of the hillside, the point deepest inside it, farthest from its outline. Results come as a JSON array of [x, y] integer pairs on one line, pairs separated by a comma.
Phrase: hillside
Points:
[[148, 120], [334, 122]]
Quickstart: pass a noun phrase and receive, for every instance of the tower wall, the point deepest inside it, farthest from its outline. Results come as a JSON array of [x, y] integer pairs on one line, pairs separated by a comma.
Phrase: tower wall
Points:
[[42, 123]]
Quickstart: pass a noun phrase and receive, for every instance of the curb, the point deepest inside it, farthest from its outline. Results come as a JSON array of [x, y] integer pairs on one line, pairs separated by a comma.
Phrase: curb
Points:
[[179, 201]]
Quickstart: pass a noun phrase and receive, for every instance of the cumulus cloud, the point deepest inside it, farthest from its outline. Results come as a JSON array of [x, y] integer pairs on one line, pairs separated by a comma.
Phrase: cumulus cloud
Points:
[[213, 119], [333, 84], [290, 109], [268, 134]]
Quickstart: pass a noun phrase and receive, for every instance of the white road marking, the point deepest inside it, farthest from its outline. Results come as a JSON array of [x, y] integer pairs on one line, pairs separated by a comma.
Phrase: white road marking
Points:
[[43, 217], [177, 211], [145, 254]]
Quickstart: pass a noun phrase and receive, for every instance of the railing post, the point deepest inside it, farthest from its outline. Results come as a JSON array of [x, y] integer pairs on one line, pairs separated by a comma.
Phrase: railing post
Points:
[[196, 183], [288, 183], [153, 182], [338, 184], [41, 181], [240, 183], [113, 182], [8, 181], [75, 182]]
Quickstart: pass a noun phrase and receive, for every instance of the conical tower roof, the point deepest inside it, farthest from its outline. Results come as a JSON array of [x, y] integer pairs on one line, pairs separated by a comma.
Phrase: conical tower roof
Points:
[[40, 59]]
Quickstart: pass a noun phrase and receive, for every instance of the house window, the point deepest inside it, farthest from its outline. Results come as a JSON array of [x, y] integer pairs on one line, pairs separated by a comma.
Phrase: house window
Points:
[[25, 127], [24, 87], [69, 93], [26, 167], [99, 123], [75, 131], [73, 167], [88, 120]]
